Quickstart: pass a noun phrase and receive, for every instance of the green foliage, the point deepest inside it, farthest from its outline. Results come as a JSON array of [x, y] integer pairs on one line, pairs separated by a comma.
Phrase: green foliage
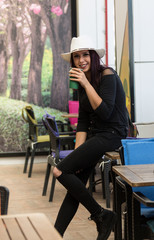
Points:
[[48, 43], [9, 76], [13, 129], [26, 64], [24, 94], [47, 71], [46, 99]]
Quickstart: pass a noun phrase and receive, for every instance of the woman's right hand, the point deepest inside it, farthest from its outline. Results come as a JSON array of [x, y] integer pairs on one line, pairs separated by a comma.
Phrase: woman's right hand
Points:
[[78, 76]]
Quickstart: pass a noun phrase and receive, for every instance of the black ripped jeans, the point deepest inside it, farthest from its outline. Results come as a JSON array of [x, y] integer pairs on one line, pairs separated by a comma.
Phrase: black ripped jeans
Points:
[[82, 159]]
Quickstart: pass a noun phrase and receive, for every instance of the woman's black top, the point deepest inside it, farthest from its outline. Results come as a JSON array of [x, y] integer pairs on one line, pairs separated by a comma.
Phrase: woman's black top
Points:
[[111, 114]]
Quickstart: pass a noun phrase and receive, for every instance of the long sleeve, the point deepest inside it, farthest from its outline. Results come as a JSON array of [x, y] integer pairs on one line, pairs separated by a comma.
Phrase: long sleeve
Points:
[[107, 92], [83, 120], [110, 114]]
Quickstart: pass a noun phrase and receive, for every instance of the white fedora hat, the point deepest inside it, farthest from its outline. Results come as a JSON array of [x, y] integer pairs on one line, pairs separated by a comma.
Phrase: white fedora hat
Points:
[[79, 44]]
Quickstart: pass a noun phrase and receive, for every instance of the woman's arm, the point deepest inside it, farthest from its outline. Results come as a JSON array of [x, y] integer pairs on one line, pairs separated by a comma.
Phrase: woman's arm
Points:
[[94, 99], [80, 138]]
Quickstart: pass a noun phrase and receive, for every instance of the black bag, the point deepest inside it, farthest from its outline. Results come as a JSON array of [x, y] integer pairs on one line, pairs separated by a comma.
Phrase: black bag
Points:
[[132, 128]]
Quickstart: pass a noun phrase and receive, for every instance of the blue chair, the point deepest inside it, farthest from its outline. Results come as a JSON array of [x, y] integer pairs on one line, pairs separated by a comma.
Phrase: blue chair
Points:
[[141, 152], [135, 151], [57, 141]]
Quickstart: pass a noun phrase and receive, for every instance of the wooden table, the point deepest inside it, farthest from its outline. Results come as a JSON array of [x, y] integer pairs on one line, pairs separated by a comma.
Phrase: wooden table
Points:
[[70, 115], [34, 226], [134, 176]]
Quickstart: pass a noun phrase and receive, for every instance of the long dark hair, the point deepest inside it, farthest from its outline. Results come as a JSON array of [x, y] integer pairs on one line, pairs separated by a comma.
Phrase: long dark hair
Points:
[[96, 68]]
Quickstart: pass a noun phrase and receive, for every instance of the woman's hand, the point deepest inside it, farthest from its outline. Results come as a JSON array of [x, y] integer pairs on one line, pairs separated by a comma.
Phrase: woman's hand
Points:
[[94, 99], [76, 74]]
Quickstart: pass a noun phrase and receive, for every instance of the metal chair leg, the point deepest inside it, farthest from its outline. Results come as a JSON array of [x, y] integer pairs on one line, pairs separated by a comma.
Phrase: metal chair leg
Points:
[[26, 159], [46, 179], [123, 193], [107, 170], [103, 184], [52, 189], [4, 201], [136, 231], [118, 230], [32, 161]]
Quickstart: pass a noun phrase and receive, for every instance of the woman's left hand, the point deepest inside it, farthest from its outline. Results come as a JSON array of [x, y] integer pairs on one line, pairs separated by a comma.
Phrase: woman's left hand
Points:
[[78, 76]]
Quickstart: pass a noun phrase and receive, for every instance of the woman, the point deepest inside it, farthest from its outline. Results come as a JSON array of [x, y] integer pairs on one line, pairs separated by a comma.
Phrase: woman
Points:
[[102, 123]]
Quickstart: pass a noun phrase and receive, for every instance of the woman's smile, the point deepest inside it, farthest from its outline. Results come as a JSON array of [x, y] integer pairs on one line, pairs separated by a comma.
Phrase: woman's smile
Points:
[[83, 66]]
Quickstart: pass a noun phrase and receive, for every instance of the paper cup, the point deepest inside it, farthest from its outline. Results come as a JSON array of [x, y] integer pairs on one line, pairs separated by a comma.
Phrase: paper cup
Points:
[[73, 84]]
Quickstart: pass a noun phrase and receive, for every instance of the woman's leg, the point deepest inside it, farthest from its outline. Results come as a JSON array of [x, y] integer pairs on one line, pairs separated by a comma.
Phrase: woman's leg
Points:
[[69, 206], [67, 212], [86, 156], [78, 191]]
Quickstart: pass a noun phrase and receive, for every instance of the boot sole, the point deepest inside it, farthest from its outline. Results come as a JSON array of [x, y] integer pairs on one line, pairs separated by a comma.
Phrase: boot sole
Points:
[[113, 222]]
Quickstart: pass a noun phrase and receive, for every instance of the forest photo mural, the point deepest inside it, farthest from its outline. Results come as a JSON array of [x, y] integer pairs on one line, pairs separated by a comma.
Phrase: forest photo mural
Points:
[[33, 34]]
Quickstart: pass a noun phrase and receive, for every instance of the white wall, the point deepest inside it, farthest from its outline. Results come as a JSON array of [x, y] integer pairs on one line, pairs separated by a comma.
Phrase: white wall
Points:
[[146, 130], [91, 22], [144, 59], [111, 34]]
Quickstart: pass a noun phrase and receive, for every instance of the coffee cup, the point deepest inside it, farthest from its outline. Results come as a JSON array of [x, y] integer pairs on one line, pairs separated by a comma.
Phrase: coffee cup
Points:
[[73, 84]]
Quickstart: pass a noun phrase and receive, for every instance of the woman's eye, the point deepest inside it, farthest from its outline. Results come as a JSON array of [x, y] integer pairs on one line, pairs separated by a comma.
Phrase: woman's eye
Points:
[[83, 55], [86, 54], [76, 56]]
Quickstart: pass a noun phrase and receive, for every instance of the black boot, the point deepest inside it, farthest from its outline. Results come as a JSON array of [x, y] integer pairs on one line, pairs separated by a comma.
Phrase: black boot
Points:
[[104, 222]]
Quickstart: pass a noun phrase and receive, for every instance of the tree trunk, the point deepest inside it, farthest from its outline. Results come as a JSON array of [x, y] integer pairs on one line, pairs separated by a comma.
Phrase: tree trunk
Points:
[[3, 66], [59, 31], [37, 50], [18, 54], [16, 82]]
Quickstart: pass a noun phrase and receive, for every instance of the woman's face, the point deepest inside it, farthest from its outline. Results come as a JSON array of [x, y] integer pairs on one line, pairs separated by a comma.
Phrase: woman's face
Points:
[[82, 60]]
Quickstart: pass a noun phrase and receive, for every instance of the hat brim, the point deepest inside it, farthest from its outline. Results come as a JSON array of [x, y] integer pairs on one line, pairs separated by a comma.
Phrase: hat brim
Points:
[[67, 56]]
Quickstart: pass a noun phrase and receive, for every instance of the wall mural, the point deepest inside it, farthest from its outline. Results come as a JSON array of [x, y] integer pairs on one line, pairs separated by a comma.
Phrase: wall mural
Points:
[[33, 34], [124, 68], [122, 48]]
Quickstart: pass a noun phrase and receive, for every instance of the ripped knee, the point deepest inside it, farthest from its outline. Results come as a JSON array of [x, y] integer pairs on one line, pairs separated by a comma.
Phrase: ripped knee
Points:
[[56, 172]]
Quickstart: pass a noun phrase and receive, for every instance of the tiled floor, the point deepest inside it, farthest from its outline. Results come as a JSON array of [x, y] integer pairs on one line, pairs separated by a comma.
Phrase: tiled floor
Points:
[[26, 197]]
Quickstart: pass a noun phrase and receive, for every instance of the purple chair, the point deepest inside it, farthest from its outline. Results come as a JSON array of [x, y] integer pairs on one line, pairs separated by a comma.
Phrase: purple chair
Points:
[[57, 141]]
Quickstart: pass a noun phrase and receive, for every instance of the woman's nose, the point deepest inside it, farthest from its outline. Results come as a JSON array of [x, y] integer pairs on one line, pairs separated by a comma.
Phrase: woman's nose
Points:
[[81, 59]]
